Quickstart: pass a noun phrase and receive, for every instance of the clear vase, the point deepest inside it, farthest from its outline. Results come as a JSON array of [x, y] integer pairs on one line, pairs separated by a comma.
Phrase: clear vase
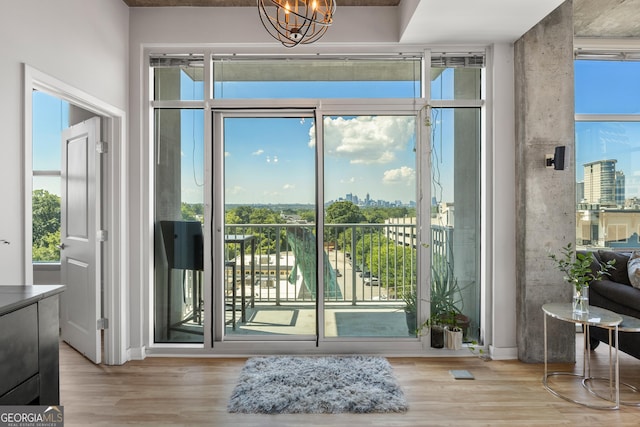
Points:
[[581, 300]]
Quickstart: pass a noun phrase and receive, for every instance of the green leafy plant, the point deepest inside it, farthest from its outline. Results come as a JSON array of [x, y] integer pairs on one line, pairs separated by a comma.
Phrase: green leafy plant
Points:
[[410, 300], [446, 297], [577, 267]]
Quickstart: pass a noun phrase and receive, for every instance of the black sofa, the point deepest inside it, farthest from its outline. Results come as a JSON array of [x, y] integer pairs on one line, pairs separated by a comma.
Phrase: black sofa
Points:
[[615, 293]]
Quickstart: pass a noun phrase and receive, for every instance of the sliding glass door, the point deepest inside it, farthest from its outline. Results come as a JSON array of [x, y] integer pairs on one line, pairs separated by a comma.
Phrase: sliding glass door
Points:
[[370, 233], [281, 276], [270, 239]]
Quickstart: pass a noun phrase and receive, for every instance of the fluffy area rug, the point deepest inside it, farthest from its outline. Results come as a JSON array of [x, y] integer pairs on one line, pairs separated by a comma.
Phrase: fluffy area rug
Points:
[[287, 385]]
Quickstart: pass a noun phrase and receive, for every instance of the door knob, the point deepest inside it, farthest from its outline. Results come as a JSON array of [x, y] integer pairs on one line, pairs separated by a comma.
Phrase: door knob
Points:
[[61, 246]]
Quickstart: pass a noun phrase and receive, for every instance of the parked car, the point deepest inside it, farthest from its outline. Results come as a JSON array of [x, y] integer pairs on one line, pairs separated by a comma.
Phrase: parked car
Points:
[[371, 281]]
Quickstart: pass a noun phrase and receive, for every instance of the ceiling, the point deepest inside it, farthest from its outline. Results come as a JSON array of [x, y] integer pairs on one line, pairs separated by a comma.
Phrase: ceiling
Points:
[[487, 19]]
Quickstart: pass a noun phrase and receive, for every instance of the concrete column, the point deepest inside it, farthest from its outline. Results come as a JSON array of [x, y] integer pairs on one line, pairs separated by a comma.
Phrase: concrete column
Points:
[[168, 145], [545, 198]]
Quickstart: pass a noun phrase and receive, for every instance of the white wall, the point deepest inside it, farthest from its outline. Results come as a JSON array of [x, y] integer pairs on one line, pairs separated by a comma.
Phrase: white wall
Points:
[[81, 43], [502, 260]]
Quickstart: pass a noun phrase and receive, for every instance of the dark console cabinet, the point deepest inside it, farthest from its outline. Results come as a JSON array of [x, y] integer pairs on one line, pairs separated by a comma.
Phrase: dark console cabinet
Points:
[[29, 352]]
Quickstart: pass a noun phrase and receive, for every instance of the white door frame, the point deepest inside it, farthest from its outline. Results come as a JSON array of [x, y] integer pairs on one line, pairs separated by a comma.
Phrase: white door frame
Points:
[[115, 251]]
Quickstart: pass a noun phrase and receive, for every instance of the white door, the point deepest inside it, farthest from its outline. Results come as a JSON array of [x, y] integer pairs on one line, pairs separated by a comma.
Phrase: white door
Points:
[[80, 253]]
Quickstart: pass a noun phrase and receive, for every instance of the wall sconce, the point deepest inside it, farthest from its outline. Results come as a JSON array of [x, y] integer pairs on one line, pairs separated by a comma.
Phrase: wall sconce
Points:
[[556, 161]]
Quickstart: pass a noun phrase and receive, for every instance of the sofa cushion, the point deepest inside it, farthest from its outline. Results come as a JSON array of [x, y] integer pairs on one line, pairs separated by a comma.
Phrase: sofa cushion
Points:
[[619, 273], [633, 268], [621, 299]]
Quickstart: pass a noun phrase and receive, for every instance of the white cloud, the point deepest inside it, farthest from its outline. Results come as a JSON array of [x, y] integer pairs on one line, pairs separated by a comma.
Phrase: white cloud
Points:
[[403, 176], [289, 187], [366, 139], [257, 152], [236, 189], [348, 181]]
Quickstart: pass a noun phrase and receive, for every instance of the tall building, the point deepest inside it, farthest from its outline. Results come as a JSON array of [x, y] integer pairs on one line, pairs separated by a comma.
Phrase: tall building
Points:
[[579, 192], [600, 182], [620, 188]]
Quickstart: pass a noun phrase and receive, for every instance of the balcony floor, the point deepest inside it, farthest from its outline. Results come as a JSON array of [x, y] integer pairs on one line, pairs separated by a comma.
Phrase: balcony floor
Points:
[[340, 321]]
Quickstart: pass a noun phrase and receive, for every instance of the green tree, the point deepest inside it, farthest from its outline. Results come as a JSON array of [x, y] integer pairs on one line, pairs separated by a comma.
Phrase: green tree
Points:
[[376, 215], [46, 226], [231, 217], [192, 211], [48, 249], [244, 214], [344, 212], [264, 216], [308, 215]]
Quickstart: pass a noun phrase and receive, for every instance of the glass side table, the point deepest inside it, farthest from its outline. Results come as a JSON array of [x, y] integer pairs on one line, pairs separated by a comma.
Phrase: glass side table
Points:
[[600, 318], [629, 324]]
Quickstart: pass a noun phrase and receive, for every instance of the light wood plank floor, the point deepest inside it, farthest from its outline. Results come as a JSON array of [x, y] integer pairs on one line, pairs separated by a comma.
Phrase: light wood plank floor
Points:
[[195, 392]]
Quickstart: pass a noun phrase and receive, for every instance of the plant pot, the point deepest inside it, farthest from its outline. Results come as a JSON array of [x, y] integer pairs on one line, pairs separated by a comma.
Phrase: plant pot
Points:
[[454, 338], [437, 336], [411, 322]]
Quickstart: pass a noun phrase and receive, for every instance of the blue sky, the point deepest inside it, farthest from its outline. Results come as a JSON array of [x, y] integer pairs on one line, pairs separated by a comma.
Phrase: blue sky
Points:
[[50, 117], [272, 160], [609, 87]]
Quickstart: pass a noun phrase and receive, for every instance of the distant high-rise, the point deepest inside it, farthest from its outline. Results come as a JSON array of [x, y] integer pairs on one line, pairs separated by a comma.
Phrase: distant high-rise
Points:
[[600, 182], [580, 192], [620, 190]]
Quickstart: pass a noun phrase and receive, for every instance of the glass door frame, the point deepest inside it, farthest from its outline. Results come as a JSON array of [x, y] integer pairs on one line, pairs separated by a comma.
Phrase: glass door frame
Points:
[[231, 109], [318, 109], [218, 217]]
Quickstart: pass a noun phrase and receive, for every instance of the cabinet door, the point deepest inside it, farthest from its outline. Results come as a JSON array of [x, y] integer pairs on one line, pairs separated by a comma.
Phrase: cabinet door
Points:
[[19, 348]]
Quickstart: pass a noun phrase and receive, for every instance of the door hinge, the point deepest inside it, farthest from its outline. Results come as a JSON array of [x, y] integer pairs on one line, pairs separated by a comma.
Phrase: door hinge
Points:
[[102, 147], [101, 235], [103, 323]]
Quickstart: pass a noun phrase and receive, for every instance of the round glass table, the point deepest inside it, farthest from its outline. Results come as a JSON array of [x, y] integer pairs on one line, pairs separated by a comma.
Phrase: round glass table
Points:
[[629, 324], [600, 318]]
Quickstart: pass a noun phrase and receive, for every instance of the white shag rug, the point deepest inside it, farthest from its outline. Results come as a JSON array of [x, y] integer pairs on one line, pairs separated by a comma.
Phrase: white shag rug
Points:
[[287, 385]]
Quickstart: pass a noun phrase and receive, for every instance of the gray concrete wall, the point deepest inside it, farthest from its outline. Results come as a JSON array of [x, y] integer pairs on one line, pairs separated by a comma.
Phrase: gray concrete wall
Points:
[[545, 198]]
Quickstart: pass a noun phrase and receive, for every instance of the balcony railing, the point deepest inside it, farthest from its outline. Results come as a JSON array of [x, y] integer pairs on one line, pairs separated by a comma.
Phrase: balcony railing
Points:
[[363, 263]]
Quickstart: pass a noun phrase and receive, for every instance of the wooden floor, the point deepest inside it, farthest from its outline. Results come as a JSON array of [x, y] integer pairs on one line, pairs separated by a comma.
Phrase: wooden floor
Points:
[[195, 392]]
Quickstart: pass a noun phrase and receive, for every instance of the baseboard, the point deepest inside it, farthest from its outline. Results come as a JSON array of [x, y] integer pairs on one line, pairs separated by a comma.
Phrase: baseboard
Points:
[[139, 353], [503, 353]]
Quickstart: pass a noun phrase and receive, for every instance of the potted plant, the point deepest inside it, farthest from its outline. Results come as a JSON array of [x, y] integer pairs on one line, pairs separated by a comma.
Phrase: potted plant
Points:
[[411, 309], [578, 272], [446, 310], [446, 299]]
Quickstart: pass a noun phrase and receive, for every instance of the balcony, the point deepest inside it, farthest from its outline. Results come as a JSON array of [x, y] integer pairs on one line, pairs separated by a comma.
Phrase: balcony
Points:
[[367, 269]]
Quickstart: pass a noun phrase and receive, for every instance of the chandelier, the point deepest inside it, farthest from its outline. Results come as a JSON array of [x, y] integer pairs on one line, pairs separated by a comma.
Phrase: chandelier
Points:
[[294, 22]]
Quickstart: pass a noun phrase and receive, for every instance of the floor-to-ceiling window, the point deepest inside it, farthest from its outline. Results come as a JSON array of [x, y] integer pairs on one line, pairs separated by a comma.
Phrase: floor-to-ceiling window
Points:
[[333, 183], [457, 93], [178, 162], [607, 151]]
